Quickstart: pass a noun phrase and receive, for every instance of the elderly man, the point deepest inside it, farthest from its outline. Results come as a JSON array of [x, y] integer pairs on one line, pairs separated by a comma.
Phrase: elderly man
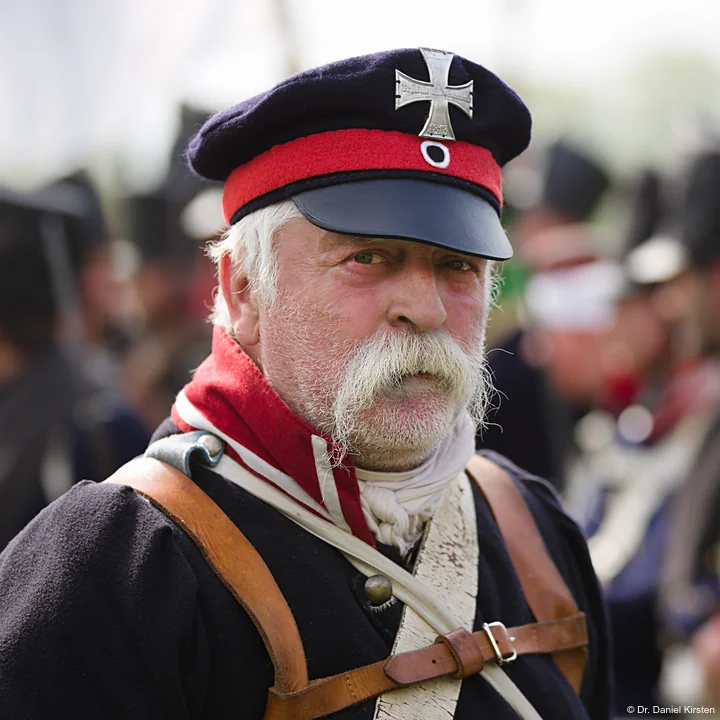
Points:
[[331, 555]]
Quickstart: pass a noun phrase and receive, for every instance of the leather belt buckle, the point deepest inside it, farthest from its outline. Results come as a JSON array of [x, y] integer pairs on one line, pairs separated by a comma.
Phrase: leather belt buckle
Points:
[[501, 659]]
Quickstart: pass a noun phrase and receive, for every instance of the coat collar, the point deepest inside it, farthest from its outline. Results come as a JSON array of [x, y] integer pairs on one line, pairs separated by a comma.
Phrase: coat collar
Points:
[[229, 395]]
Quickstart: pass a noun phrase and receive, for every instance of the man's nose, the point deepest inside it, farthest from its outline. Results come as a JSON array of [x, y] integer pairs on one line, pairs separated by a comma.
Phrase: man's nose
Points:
[[416, 301]]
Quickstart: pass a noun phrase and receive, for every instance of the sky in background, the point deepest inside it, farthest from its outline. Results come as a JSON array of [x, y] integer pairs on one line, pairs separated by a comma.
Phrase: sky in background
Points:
[[100, 81]]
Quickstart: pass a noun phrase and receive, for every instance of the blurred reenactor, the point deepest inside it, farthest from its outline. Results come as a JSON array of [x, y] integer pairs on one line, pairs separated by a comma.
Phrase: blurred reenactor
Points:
[[532, 424], [574, 183], [58, 426], [638, 447], [637, 352], [690, 597], [174, 283], [570, 301]]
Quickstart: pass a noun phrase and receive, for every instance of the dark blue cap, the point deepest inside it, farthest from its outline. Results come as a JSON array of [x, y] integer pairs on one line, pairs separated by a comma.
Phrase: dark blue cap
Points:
[[417, 120]]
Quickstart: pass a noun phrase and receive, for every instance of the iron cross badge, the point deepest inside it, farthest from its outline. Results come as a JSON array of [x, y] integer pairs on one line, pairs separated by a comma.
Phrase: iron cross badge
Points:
[[438, 92]]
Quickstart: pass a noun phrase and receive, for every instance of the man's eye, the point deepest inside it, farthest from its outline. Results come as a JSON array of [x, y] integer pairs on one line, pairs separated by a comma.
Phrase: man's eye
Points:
[[366, 258], [458, 264]]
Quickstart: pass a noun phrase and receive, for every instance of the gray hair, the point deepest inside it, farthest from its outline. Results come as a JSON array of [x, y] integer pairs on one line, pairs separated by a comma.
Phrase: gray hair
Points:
[[249, 243]]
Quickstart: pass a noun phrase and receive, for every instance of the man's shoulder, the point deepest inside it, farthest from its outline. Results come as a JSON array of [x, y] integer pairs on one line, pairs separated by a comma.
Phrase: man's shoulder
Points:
[[107, 584], [88, 514], [538, 493], [563, 539], [95, 538]]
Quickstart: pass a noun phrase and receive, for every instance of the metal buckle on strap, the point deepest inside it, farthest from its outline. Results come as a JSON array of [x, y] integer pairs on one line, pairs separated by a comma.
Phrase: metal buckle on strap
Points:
[[501, 659]]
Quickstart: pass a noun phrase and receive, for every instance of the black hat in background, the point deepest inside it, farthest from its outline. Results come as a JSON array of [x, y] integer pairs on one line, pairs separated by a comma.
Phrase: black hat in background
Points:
[[689, 234], [77, 201], [653, 251], [36, 265], [574, 181], [701, 210], [155, 221], [647, 208]]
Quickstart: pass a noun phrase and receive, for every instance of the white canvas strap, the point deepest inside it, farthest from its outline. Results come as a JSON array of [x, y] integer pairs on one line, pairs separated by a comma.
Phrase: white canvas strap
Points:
[[439, 565]]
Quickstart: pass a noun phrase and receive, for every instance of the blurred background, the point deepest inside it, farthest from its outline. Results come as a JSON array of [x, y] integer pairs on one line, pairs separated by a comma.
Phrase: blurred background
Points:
[[99, 84], [605, 341]]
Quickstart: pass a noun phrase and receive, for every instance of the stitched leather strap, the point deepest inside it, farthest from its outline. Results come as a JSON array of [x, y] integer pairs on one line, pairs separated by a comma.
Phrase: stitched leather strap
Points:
[[465, 650], [334, 693], [231, 556], [545, 590]]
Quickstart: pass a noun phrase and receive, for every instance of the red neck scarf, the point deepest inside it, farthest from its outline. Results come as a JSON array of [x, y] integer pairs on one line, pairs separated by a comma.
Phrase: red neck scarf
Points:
[[230, 397]]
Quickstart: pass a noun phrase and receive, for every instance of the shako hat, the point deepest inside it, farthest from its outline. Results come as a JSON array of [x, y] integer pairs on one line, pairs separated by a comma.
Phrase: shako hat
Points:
[[701, 230], [693, 236], [647, 206], [574, 181], [403, 144]]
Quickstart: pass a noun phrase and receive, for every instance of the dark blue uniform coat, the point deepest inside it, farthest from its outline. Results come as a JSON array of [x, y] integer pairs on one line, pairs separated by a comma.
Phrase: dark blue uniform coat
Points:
[[108, 610]]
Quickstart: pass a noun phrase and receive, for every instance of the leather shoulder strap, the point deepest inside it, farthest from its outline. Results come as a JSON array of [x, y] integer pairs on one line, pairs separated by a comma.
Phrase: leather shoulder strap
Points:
[[545, 590], [231, 556]]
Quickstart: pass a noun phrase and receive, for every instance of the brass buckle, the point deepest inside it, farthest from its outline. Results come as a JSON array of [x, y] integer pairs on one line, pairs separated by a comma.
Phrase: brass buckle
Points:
[[501, 659]]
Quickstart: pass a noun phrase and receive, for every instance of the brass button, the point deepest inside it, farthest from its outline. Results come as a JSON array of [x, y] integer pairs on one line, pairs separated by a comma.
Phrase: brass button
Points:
[[378, 590]]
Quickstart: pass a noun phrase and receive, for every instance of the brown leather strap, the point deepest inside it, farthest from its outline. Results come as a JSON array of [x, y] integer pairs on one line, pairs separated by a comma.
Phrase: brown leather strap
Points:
[[465, 650], [561, 629], [545, 590], [233, 559], [335, 693]]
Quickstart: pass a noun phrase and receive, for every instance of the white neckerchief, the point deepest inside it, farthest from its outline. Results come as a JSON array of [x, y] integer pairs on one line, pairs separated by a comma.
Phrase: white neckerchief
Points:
[[397, 505]]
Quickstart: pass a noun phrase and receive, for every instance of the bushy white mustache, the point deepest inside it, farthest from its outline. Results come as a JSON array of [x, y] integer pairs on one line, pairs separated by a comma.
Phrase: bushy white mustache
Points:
[[378, 368], [380, 365]]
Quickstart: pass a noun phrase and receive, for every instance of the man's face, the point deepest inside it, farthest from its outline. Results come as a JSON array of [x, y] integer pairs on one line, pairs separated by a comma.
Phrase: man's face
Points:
[[379, 343]]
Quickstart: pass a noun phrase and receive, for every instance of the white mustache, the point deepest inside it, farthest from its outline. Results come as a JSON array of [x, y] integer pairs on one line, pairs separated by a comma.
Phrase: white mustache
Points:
[[376, 370], [380, 365]]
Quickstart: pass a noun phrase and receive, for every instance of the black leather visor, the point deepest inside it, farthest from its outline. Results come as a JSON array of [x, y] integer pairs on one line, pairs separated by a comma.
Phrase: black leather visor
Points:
[[425, 211]]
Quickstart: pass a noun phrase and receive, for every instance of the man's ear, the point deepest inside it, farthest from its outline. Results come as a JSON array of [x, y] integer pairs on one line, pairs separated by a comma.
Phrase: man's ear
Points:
[[241, 302]]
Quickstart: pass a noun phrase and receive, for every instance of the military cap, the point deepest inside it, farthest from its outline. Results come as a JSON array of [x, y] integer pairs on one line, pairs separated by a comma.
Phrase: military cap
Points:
[[692, 236], [156, 221], [405, 143], [574, 181], [29, 301], [701, 211], [647, 205]]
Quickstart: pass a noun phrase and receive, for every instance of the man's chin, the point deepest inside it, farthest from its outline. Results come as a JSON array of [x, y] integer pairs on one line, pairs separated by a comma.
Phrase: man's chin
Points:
[[422, 418], [413, 389]]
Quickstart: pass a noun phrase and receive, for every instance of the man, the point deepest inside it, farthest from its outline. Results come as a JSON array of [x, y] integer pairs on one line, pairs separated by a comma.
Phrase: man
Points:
[[338, 408], [690, 575], [59, 424], [636, 448], [532, 424], [174, 283]]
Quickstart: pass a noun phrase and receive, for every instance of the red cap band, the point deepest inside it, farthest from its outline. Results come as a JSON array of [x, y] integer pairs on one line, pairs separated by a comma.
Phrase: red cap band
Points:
[[356, 150]]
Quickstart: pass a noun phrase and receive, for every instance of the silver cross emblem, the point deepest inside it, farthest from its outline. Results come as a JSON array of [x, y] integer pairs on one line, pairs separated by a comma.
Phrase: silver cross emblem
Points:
[[438, 92]]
